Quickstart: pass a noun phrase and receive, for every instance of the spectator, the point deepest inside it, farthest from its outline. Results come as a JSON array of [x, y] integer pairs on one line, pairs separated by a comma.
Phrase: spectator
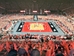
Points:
[[35, 52], [22, 52], [59, 53], [12, 52], [71, 52]]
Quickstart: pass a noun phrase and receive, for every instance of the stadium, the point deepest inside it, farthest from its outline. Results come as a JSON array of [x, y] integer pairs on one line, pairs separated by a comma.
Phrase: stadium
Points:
[[36, 28]]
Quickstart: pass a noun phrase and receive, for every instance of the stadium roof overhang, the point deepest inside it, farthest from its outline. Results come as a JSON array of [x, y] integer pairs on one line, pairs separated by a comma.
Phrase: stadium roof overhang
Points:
[[17, 5]]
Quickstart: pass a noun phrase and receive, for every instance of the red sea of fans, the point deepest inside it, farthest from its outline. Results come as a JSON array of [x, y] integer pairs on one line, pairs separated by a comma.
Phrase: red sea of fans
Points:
[[44, 48]]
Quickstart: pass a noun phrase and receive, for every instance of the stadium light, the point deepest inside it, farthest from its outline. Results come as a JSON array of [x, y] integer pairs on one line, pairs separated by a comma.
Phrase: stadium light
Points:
[[46, 11], [22, 11], [35, 11]]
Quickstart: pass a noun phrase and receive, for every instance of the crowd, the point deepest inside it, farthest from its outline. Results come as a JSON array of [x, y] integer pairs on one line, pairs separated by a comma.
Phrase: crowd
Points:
[[35, 37], [31, 48], [6, 18], [63, 22], [64, 28], [36, 45], [60, 18]]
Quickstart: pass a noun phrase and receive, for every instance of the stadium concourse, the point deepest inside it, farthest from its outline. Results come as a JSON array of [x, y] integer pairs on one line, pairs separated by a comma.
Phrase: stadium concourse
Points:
[[32, 44]]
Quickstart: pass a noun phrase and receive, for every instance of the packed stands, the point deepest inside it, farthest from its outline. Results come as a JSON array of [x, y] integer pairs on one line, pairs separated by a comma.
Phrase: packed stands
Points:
[[46, 45]]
